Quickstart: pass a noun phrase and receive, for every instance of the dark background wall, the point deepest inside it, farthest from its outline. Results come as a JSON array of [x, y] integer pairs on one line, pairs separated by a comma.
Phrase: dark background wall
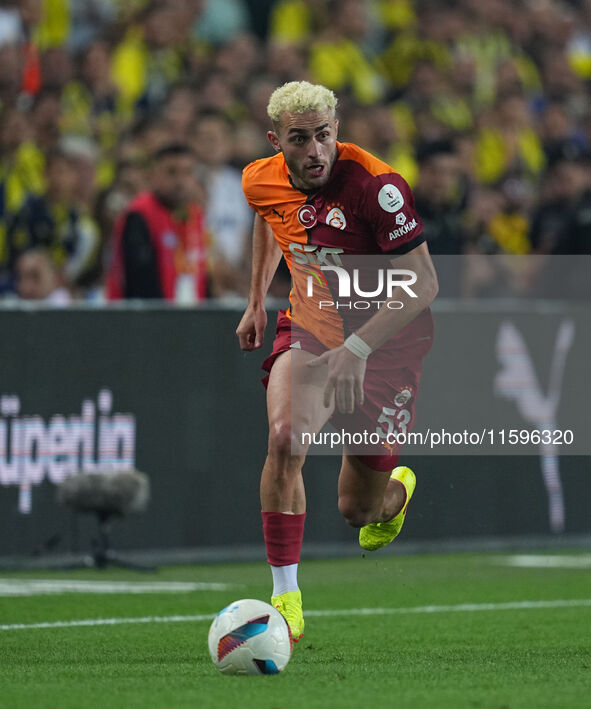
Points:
[[201, 429]]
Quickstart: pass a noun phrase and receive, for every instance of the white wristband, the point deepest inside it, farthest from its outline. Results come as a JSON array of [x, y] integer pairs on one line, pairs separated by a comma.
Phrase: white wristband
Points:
[[357, 346]]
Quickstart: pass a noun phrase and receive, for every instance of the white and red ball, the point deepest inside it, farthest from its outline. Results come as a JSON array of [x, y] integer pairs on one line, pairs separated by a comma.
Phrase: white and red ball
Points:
[[249, 637]]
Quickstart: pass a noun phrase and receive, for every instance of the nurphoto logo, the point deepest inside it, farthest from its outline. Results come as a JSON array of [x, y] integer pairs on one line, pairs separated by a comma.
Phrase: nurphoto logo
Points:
[[348, 287]]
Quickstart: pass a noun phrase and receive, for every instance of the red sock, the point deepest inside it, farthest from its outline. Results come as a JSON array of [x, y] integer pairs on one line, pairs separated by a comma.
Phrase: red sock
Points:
[[283, 537]]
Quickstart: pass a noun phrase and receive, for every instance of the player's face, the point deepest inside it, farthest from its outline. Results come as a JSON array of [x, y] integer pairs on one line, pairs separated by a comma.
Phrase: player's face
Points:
[[308, 142]]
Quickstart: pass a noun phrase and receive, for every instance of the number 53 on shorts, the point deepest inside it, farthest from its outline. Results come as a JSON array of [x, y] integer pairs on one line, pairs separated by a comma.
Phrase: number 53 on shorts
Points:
[[396, 420]]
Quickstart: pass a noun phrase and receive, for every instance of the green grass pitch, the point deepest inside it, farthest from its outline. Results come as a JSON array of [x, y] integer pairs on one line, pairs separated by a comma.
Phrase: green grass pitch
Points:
[[500, 656]]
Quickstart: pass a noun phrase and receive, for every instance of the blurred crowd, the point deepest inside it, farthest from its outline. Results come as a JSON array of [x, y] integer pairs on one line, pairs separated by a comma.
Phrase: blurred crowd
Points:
[[153, 107]]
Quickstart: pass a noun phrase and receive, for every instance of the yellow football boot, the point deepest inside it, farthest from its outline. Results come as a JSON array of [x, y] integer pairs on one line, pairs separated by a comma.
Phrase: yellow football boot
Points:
[[378, 534], [290, 606]]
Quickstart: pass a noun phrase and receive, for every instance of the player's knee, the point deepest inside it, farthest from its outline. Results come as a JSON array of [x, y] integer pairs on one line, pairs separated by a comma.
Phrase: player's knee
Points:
[[282, 463], [281, 441], [290, 439], [355, 514]]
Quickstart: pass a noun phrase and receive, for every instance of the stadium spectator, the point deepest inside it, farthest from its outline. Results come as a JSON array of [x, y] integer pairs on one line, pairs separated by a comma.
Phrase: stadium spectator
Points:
[[160, 246], [151, 55], [286, 61], [558, 79], [147, 136], [217, 94], [88, 19], [439, 198], [296, 21], [91, 100], [248, 145], [57, 68], [39, 278], [229, 219], [10, 23], [506, 82], [563, 185], [238, 60], [20, 20], [221, 20], [439, 201], [420, 42], [572, 179], [557, 127], [178, 112], [496, 233], [21, 175], [258, 94], [10, 70], [57, 222], [84, 154], [338, 58], [129, 181], [509, 145], [45, 119]]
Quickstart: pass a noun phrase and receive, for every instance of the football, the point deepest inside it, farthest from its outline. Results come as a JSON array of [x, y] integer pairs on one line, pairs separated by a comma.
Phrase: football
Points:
[[249, 637]]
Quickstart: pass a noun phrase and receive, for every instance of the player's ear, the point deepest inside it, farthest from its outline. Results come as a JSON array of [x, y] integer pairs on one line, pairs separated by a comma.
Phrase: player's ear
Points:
[[274, 140], [336, 126]]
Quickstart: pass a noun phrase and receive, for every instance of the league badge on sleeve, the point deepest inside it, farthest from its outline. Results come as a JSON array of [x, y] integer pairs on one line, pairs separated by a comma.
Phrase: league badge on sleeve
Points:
[[390, 198]]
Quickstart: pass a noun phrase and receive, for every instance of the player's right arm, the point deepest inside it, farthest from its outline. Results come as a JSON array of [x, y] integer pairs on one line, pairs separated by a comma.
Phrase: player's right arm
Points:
[[266, 255]]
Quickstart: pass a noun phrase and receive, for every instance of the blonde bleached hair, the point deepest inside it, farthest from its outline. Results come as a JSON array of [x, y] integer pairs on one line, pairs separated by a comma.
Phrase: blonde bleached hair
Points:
[[300, 97]]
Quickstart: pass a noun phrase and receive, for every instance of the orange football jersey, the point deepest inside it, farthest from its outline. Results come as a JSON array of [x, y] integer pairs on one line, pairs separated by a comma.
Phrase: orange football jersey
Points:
[[365, 208]]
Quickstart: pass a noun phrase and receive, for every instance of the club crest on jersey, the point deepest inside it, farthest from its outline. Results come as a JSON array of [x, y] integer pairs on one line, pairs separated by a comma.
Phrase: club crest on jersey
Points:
[[336, 219], [390, 198], [403, 396], [307, 216]]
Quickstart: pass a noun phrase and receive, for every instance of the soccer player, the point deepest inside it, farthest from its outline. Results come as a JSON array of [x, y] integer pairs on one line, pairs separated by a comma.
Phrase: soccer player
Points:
[[316, 200]]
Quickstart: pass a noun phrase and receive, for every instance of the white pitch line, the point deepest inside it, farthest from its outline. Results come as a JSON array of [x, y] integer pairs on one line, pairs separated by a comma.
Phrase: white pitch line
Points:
[[38, 587], [109, 621], [458, 608], [548, 561]]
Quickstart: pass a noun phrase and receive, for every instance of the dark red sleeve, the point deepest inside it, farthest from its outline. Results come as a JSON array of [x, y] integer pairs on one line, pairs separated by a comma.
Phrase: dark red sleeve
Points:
[[389, 207]]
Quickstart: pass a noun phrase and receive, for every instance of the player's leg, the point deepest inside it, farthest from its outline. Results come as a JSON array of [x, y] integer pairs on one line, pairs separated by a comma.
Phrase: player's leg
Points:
[[375, 500], [282, 487], [367, 495], [374, 492], [283, 500]]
